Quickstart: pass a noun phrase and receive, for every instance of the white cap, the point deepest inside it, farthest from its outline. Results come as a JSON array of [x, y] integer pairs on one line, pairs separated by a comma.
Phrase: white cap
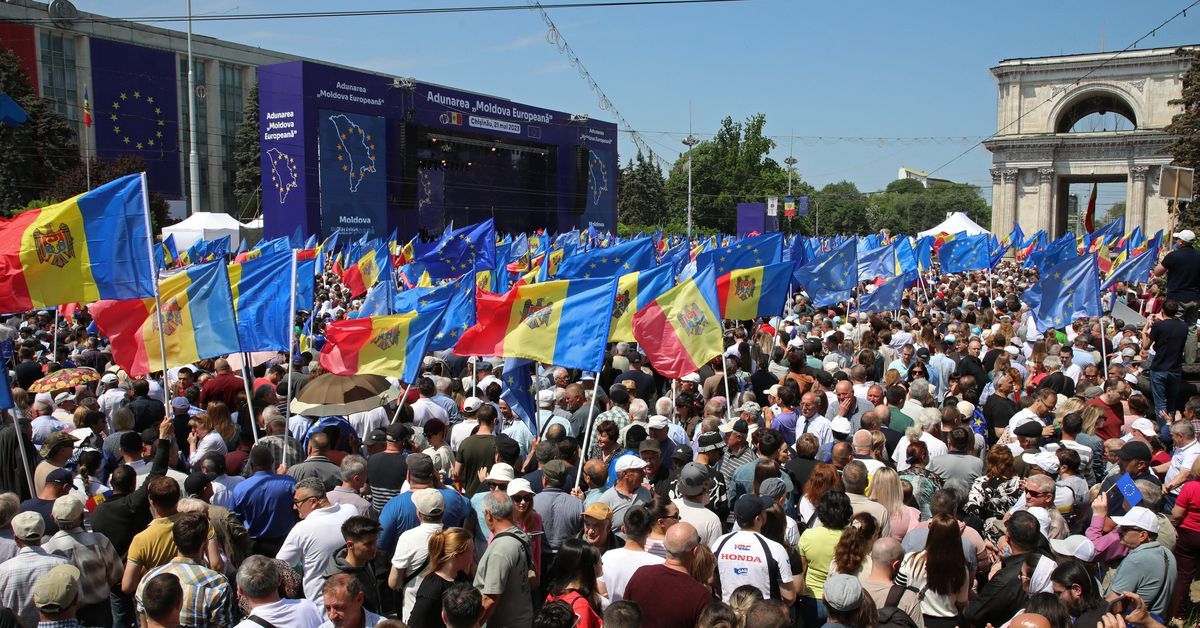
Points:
[[1138, 517], [657, 422], [626, 463], [488, 381], [472, 404], [841, 425], [1043, 518], [691, 377], [965, 408], [1012, 350], [545, 398], [501, 472], [1045, 460], [518, 486], [1143, 425], [773, 391], [1186, 235], [1075, 545]]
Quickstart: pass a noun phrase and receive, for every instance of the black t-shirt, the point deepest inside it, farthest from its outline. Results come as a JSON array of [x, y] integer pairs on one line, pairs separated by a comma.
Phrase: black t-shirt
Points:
[[388, 472], [44, 508], [477, 451], [1183, 274], [1168, 337], [427, 610], [28, 372], [643, 382], [998, 410]]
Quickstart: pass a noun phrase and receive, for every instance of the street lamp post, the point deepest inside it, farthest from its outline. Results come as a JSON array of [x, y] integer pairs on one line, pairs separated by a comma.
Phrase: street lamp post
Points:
[[193, 154], [790, 161], [690, 141]]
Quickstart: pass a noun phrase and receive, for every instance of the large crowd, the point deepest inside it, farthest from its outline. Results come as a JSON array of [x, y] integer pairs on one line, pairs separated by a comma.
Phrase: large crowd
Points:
[[944, 464]]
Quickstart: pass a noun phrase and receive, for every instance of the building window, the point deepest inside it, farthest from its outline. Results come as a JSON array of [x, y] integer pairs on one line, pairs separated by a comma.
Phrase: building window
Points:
[[201, 131], [58, 75], [232, 98]]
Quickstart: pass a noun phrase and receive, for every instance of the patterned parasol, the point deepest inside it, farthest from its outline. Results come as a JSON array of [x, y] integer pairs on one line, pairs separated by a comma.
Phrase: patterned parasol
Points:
[[65, 379]]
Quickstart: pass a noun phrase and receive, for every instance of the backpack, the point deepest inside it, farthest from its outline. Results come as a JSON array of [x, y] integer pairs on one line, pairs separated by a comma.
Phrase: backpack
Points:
[[890, 615]]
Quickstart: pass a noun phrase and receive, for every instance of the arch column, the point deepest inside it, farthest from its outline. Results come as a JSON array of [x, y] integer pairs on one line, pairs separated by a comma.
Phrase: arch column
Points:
[[999, 217], [1135, 214], [1046, 200], [1009, 176]]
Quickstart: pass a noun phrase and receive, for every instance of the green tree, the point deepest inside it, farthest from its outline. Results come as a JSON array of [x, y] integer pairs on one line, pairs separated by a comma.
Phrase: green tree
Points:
[[1116, 211], [247, 179], [35, 152], [641, 193], [1185, 126], [74, 181]]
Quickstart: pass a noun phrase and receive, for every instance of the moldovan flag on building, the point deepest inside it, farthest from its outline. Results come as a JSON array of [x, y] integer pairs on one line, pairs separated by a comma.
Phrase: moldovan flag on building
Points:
[[681, 330], [553, 322], [635, 290], [749, 293], [197, 321], [392, 346], [262, 302], [91, 247]]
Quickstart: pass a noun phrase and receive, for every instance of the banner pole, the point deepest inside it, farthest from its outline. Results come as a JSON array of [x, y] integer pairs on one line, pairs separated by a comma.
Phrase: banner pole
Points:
[[400, 404], [54, 342], [587, 431], [162, 341], [728, 396], [291, 332], [24, 454], [247, 373]]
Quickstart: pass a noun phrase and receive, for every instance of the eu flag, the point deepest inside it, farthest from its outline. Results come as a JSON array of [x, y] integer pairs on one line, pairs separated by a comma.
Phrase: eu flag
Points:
[[1135, 270], [459, 315], [616, 260], [965, 253], [757, 251], [832, 278], [888, 295], [875, 263], [1065, 293], [518, 390], [462, 250]]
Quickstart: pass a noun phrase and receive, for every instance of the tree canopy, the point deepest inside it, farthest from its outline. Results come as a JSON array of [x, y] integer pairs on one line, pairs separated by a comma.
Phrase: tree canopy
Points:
[[1185, 126], [246, 154], [33, 154]]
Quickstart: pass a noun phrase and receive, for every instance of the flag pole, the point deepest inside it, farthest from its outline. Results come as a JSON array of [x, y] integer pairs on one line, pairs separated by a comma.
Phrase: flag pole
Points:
[[162, 341], [54, 341], [400, 404], [728, 396], [291, 332], [247, 373], [587, 430]]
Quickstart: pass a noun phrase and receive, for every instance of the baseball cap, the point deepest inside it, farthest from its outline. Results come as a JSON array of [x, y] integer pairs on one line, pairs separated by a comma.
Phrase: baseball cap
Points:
[[1144, 426], [62, 397], [57, 589], [56, 440], [965, 408], [1075, 545], [773, 391], [557, 469], [649, 445], [472, 405], [1093, 392], [1045, 460], [180, 403], [772, 489], [657, 422], [195, 482], [420, 467], [67, 509], [598, 511], [691, 377], [619, 395], [375, 437], [692, 478], [429, 502], [682, 454], [1140, 518], [1134, 450], [1186, 235], [843, 592], [709, 441], [738, 425], [749, 506], [518, 486], [841, 425], [108, 378], [750, 407], [501, 472], [399, 432], [629, 463], [28, 526], [60, 476], [545, 398]]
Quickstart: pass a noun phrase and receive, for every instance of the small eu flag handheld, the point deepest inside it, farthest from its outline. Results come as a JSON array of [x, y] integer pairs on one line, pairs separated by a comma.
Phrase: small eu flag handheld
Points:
[[1127, 496]]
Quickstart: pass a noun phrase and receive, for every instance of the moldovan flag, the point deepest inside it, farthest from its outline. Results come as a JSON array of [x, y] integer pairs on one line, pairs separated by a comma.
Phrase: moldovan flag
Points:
[[749, 293], [392, 346], [91, 247], [361, 275], [197, 321], [680, 330], [553, 322], [262, 302], [635, 290]]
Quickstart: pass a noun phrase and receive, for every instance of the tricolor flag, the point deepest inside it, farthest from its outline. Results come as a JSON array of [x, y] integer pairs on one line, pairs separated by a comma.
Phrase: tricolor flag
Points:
[[554, 322], [367, 270], [750, 293], [87, 109], [681, 329], [94, 246], [197, 321], [262, 302], [635, 290], [392, 346]]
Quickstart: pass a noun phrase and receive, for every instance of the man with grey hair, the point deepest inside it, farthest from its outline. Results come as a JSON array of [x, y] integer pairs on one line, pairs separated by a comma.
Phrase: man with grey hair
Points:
[[10, 504], [354, 478], [311, 543], [1179, 469], [918, 396], [1055, 379], [503, 574], [258, 584], [284, 447]]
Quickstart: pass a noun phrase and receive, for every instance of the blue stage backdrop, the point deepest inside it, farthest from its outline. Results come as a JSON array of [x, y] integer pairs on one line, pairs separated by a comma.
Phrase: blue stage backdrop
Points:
[[134, 103], [353, 173]]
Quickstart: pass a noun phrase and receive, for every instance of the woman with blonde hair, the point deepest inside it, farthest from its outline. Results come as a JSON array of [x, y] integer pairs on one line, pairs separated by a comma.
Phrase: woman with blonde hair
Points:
[[1074, 404], [222, 423], [887, 492], [451, 560], [204, 438], [891, 378]]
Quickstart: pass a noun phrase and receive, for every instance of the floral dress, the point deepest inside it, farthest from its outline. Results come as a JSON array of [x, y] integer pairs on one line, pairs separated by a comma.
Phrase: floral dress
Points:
[[925, 484], [991, 497]]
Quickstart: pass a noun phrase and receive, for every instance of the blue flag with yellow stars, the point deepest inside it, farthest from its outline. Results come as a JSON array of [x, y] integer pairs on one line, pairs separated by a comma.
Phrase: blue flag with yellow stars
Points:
[[1065, 293], [888, 296], [832, 278], [518, 390], [966, 253], [462, 250], [1135, 270], [761, 250], [460, 312], [628, 257], [979, 423]]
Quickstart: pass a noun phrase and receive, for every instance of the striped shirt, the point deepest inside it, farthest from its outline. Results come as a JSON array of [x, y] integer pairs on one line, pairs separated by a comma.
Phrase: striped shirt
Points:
[[207, 598], [17, 577]]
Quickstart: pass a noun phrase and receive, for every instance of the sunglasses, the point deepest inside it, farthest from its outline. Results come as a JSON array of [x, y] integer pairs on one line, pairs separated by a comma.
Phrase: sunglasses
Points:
[[522, 498], [1036, 493], [297, 502]]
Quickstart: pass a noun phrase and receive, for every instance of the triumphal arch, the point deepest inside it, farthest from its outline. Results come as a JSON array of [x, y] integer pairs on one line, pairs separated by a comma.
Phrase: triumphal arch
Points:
[[1044, 142]]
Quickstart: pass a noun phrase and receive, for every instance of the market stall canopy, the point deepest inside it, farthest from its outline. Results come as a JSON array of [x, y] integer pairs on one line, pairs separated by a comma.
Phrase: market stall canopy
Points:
[[205, 226], [957, 222]]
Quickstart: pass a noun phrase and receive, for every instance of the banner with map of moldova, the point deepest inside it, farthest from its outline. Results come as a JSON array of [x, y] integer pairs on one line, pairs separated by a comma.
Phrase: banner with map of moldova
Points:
[[601, 202], [353, 157]]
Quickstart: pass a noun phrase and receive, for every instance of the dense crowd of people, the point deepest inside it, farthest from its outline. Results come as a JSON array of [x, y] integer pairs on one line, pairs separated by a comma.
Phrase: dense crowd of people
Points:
[[945, 464]]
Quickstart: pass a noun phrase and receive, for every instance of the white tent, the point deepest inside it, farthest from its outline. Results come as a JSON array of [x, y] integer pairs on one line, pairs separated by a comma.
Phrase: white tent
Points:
[[205, 226], [955, 223]]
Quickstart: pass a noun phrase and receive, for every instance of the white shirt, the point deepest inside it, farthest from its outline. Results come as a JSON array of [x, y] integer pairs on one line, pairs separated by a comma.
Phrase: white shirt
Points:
[[1183, 458], [223, 490], [460, 433], [619, 565], [312, 543], [364, 422], [741, 560], [369, 620], [424, 409], [900, 457], [293, 613], [412, 555], [706, 522], [818, 426], [212, 442]]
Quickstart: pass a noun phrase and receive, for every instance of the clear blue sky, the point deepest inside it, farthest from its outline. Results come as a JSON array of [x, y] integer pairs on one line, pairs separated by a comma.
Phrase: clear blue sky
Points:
[[854, 69]]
